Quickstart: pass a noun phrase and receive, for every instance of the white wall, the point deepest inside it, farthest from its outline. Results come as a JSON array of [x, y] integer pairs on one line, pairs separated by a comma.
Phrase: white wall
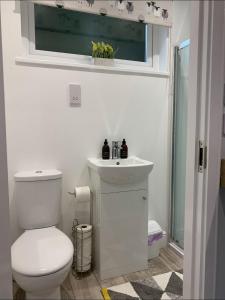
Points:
[[181, 21], [43, 131], [5, 256]]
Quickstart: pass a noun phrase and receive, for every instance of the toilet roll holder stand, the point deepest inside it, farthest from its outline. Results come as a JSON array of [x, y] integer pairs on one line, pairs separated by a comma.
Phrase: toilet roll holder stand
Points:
[[78, 272]]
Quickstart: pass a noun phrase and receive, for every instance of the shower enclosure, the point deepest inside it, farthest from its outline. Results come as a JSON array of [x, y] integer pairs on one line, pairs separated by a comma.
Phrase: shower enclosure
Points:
[[181, 66]]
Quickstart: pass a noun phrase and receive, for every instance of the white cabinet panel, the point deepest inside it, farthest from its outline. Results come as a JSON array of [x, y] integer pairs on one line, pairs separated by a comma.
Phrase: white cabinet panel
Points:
[[124, 219]]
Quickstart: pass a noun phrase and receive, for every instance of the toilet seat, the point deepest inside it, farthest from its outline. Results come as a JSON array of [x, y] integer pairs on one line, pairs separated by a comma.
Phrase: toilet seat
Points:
[[40, 252]]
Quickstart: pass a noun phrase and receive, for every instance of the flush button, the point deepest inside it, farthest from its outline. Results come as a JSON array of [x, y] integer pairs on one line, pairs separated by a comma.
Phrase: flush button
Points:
[[39, 172]]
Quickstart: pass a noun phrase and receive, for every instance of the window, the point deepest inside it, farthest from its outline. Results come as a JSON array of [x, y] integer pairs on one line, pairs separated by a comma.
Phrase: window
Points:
[[61, 30], [64, 36]]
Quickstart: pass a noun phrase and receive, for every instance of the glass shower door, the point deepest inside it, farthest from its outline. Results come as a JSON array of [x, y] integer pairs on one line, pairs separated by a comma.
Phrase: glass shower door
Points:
[[179, 142]]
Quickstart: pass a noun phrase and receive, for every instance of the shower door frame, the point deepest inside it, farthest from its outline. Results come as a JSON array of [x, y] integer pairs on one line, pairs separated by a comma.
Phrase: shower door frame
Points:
[[173, 243]]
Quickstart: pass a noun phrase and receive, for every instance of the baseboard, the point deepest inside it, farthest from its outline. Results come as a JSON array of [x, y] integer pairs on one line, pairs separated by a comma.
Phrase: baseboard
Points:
[[177, 249]]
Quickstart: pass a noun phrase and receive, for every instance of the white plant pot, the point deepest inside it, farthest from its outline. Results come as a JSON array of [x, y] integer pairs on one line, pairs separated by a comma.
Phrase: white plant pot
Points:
[[103, 61]]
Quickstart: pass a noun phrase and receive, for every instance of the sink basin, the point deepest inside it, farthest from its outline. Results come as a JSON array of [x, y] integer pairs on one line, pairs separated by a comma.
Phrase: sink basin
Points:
[[121, 171]]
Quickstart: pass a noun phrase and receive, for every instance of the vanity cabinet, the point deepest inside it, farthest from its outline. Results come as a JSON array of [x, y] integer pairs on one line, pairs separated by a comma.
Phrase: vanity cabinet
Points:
[[119, 215], [120, 227]]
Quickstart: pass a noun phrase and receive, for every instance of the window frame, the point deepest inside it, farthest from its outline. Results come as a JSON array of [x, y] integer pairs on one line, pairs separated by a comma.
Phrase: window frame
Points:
[[29, 20]]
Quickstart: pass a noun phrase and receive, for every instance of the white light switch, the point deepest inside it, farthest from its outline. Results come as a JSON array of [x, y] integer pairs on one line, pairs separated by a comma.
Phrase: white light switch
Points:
[[75, 94]]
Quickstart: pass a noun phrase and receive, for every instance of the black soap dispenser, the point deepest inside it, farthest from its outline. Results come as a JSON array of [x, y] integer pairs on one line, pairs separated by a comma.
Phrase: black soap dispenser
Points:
[[105, 150], [124, 149]]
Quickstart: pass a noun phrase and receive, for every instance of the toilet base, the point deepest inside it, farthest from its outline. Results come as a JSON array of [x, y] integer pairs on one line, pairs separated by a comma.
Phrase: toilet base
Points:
[[50, 295]]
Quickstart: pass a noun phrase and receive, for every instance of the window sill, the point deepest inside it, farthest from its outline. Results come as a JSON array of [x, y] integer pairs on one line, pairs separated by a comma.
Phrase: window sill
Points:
[[68, 63]]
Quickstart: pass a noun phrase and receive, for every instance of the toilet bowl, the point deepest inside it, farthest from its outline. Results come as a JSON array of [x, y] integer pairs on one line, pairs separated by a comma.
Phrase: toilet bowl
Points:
[[43, 287], [41, 260], [42, 256]]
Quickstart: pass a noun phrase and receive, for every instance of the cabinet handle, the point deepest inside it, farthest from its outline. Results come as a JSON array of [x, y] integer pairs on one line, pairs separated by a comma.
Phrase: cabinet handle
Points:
[[144, 198]]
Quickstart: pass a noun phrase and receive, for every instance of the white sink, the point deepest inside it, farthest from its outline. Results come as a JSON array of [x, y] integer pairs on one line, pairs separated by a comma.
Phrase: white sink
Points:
[[121, 171]]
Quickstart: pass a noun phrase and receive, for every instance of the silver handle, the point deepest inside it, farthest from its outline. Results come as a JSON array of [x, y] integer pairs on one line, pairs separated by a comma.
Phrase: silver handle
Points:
[[202, 160], [72, 193]]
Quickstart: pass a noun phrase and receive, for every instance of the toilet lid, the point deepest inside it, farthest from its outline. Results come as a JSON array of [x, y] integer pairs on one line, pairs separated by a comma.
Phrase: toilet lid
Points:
[[40, 252]]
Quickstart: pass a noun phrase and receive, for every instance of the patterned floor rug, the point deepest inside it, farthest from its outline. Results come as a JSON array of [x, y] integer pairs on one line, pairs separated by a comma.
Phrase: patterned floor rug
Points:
[[164, 286]]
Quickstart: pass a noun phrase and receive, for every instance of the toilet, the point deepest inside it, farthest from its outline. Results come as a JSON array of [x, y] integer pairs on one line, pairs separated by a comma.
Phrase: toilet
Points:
[[42, 256]]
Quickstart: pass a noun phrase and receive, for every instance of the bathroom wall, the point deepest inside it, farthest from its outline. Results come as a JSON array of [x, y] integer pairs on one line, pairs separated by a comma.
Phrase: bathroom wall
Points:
[[5, 257], [181, 22], [43, 131]]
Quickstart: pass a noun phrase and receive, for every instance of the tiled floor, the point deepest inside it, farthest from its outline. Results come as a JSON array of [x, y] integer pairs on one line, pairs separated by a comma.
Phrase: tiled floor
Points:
[[88, 287]]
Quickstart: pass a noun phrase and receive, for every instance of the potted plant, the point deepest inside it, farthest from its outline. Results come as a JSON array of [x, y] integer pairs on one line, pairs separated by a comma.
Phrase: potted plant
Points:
[[103, 54]]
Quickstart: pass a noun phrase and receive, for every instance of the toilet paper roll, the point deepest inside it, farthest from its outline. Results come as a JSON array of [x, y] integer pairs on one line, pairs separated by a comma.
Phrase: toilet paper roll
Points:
[[84, 230], [84, 246], [82, 194]]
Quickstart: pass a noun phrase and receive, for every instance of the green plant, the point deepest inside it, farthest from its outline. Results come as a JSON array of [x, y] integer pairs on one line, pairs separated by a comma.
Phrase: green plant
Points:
[[103, 50]]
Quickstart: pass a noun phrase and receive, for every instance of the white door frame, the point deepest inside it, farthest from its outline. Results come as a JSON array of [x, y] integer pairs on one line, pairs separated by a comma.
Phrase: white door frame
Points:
[[205, 111], [5, 254]]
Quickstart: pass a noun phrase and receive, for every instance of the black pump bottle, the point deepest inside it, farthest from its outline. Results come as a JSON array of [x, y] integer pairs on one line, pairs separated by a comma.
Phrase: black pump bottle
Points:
[[124, 149], [105, 150]]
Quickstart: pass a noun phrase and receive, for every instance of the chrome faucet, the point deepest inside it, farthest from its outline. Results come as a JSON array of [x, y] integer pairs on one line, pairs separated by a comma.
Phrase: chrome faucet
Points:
[[115, 150]]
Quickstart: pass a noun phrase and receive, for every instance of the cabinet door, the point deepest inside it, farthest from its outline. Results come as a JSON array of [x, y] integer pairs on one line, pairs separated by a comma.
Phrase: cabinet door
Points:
[[124, 231]]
